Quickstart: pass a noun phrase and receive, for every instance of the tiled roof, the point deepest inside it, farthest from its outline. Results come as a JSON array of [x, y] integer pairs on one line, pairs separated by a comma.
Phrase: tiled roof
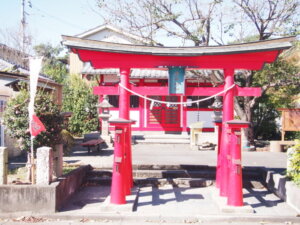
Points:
[[14, 56], [9, 67], [204, 75]]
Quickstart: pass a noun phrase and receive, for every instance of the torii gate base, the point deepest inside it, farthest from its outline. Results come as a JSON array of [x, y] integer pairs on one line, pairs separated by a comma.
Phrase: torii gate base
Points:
[[122, 176]]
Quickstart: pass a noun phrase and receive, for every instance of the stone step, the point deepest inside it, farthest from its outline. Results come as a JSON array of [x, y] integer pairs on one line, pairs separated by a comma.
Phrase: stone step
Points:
[[176, 182], [205, 172], [174, 174], [167, 136], [160, 174], [162, 141]]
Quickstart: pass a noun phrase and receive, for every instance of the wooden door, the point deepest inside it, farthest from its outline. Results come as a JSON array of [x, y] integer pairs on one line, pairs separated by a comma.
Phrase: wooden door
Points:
[[162, 116]]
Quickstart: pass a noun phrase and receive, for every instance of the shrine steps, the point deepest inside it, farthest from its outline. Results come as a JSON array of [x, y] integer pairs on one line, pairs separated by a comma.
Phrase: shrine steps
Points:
[[161, 139], [179, 177]]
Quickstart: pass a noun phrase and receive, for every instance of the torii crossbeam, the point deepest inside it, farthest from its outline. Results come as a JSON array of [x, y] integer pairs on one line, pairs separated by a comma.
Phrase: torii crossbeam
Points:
[[250, 56]]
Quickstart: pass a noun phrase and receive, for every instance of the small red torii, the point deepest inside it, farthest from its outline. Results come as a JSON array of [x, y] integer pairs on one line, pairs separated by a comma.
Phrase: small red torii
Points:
[[249, 56]]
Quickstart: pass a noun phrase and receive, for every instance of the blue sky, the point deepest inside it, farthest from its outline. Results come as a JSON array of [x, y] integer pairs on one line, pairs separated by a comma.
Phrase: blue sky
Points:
[[49, 19]]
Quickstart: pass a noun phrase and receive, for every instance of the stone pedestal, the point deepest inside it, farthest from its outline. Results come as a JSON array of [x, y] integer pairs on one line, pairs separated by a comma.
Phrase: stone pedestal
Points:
[[44, 165], [3, 165], [105, 129], [58, 160]]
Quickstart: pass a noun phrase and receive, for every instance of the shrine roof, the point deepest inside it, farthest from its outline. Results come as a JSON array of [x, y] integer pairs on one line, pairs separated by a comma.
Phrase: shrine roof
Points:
[[267, 45], [154, 73]]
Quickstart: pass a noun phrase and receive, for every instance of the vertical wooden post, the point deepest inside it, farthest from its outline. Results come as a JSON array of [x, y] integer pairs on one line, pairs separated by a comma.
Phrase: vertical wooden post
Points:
[[3, 165], [228, 114], [218, 170]]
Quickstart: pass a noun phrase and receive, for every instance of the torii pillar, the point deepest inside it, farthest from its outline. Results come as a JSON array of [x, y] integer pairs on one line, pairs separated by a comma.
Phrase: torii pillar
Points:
[[225, 156], [228, 114], [124, 107]]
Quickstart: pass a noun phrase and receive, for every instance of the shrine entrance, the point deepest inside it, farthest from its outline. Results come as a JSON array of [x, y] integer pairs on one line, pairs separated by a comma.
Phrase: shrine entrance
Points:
[[229, 59], [164, 116]]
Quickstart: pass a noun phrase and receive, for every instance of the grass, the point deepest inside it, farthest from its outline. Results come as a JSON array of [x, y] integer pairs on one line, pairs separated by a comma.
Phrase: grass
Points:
[[17, 175], [68, 169]]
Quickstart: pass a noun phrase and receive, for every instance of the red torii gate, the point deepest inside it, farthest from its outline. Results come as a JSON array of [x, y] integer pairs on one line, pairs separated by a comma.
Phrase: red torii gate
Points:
[[250, 56]]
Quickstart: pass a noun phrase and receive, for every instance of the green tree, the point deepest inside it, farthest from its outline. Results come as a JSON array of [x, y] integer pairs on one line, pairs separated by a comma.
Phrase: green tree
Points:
[[293, 169], [279, 82], [54, 65], [77, 93], [79, 99], [16, 119]]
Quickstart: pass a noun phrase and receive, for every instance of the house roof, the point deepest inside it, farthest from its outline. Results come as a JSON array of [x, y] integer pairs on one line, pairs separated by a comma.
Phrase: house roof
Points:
[[15, 63], [6, 66], [15, 84], [13, 56], [25, 77], [100, 28]]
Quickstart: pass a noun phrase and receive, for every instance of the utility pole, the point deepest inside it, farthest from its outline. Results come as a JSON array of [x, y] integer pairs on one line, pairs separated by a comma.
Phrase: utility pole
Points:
[[23, 25]]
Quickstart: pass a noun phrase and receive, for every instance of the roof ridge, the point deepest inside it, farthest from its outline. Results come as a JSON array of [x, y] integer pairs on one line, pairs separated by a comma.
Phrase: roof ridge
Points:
[[113, 28]]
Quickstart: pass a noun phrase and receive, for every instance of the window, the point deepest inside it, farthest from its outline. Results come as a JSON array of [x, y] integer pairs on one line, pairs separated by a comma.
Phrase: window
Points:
[[134, 101], [204, 104], [2, 105], [114, 100]]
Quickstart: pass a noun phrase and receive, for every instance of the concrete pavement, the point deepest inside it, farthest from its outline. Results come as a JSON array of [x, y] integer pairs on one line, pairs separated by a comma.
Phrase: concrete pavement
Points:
[[173, 155], [172, 204], [168, 204]]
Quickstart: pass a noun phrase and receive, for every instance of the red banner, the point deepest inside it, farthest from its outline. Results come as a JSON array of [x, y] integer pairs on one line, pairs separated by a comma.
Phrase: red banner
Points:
[[36, 126]]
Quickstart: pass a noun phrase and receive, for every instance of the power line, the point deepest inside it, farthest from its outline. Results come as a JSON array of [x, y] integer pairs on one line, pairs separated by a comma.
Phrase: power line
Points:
[[44, 14]]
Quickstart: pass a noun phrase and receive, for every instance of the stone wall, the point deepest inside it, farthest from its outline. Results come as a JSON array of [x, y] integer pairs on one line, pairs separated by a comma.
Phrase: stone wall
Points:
[[41, 198], [69, 184], [284, 189], [30, 198]]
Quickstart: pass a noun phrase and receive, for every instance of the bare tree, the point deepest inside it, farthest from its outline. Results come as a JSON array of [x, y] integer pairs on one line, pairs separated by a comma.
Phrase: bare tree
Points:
[[153, 18], [12, 38], [269, 18], [219, 21]]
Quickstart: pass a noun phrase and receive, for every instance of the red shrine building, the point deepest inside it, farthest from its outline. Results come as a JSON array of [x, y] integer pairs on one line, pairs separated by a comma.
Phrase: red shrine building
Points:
[[160, 117]]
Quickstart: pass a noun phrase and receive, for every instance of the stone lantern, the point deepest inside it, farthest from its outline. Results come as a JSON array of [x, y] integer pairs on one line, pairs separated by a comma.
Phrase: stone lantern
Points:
[[217, 106], [104, 107], [217, 119]]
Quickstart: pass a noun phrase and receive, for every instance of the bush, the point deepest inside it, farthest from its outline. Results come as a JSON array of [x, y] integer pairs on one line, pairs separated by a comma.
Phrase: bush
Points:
[[293, 170], [16, 120], [68, 141], [79, 99]]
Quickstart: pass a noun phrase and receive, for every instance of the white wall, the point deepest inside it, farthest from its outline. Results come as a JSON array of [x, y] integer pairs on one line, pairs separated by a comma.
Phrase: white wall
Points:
[[4, 90], [111, 36], [204, 116], [134, 115]]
